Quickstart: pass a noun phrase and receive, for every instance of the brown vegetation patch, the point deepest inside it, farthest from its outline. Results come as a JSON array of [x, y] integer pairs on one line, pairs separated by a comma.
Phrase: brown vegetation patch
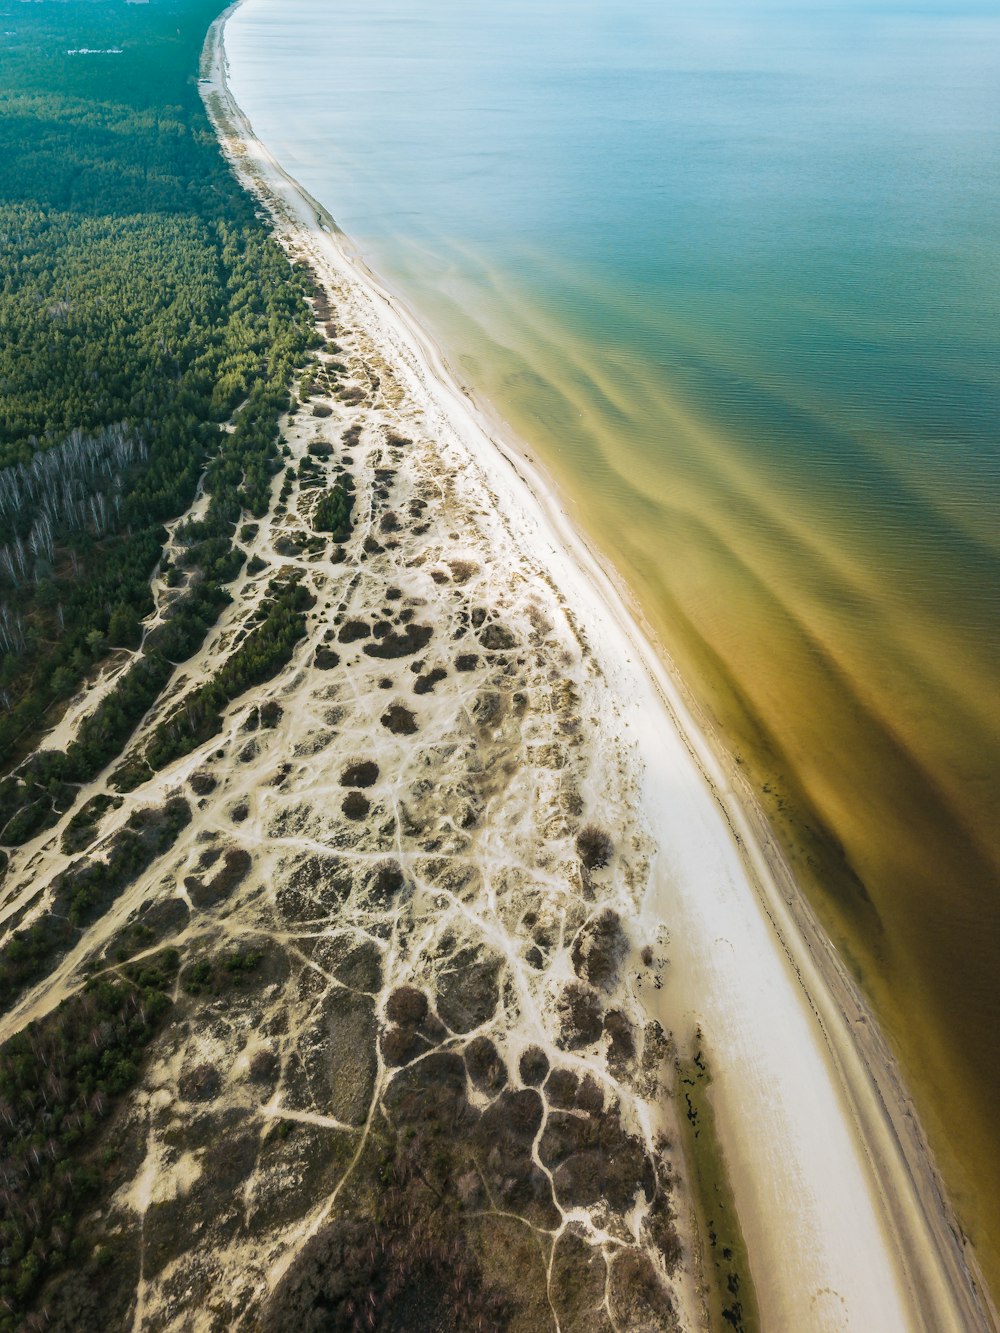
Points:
[[561, 1088], [516, 1114], [358, 966], [354, 630], [504, 1137], [407, 1005], [431, 1092], [271, 714], [593, 1158], [622, 1046], [399, 720], [580, 1015], [425, 684], [468, 990], [361, 774], [405, 644], [579, 1277], [594, 847], [236, 865], [386, 884], [462, 570], [400, 1045], [314, 884], [599, 949], [497, 637], [347, 1059], [200, 1084], [355, 805], [326, 659], [638, 1297], [486, 1069], [533, 1066], [264, 1068], [488, 707], [82, 828], [406, 1266]]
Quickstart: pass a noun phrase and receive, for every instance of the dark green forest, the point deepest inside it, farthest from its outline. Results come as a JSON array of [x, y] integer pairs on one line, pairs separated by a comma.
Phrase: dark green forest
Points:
[[60, 1083], [142, 303]]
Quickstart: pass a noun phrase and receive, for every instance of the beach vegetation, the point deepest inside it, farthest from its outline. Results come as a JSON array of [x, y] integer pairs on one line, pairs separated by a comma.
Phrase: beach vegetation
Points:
[[214, 975], [594, 847], [333, 512], [260, 656], [83, 892]]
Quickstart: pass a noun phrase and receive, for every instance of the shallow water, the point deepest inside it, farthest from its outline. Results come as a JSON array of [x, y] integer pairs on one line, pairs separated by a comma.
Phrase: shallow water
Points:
[[731, 270]]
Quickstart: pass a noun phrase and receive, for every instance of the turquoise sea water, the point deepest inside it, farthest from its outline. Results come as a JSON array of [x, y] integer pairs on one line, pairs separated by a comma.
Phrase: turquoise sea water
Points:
[[733, 270]]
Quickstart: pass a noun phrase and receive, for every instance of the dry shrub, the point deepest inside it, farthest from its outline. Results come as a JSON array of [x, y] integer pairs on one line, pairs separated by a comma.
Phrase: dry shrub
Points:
[[594, 847], [599, 949], [407, 1006], [356, 806], [200, 1084], [486, 1069], [533, 1066], [362, 774], [399, 720]]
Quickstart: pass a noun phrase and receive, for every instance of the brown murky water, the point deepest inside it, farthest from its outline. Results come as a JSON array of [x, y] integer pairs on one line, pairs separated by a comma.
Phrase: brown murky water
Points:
[[731, 272]]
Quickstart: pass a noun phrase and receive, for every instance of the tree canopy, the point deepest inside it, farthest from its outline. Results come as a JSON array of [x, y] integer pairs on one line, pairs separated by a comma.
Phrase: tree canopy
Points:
[[142, 303]]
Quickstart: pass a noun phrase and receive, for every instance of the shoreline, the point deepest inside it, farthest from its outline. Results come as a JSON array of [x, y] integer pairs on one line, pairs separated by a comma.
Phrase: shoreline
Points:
[[935, 1278]]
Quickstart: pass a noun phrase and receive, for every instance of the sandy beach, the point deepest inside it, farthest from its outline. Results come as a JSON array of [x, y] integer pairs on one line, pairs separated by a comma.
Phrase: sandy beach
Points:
[[841, 1207]]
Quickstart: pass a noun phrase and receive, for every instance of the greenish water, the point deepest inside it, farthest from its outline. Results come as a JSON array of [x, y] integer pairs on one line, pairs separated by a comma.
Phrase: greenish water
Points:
[[732, 269]]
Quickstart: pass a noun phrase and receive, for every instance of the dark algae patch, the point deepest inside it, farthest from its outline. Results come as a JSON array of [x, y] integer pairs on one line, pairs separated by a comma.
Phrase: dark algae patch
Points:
[[731, 1296]]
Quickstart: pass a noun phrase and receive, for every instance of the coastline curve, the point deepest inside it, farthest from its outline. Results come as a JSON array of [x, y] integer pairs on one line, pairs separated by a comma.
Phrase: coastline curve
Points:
[[932, 1272]]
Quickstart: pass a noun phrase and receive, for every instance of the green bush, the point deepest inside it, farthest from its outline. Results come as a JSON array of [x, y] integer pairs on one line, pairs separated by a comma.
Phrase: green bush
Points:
[[333, 512]]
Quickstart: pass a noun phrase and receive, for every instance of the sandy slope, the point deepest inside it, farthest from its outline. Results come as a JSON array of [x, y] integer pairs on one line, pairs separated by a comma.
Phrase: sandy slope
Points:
[[838, 1198]]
